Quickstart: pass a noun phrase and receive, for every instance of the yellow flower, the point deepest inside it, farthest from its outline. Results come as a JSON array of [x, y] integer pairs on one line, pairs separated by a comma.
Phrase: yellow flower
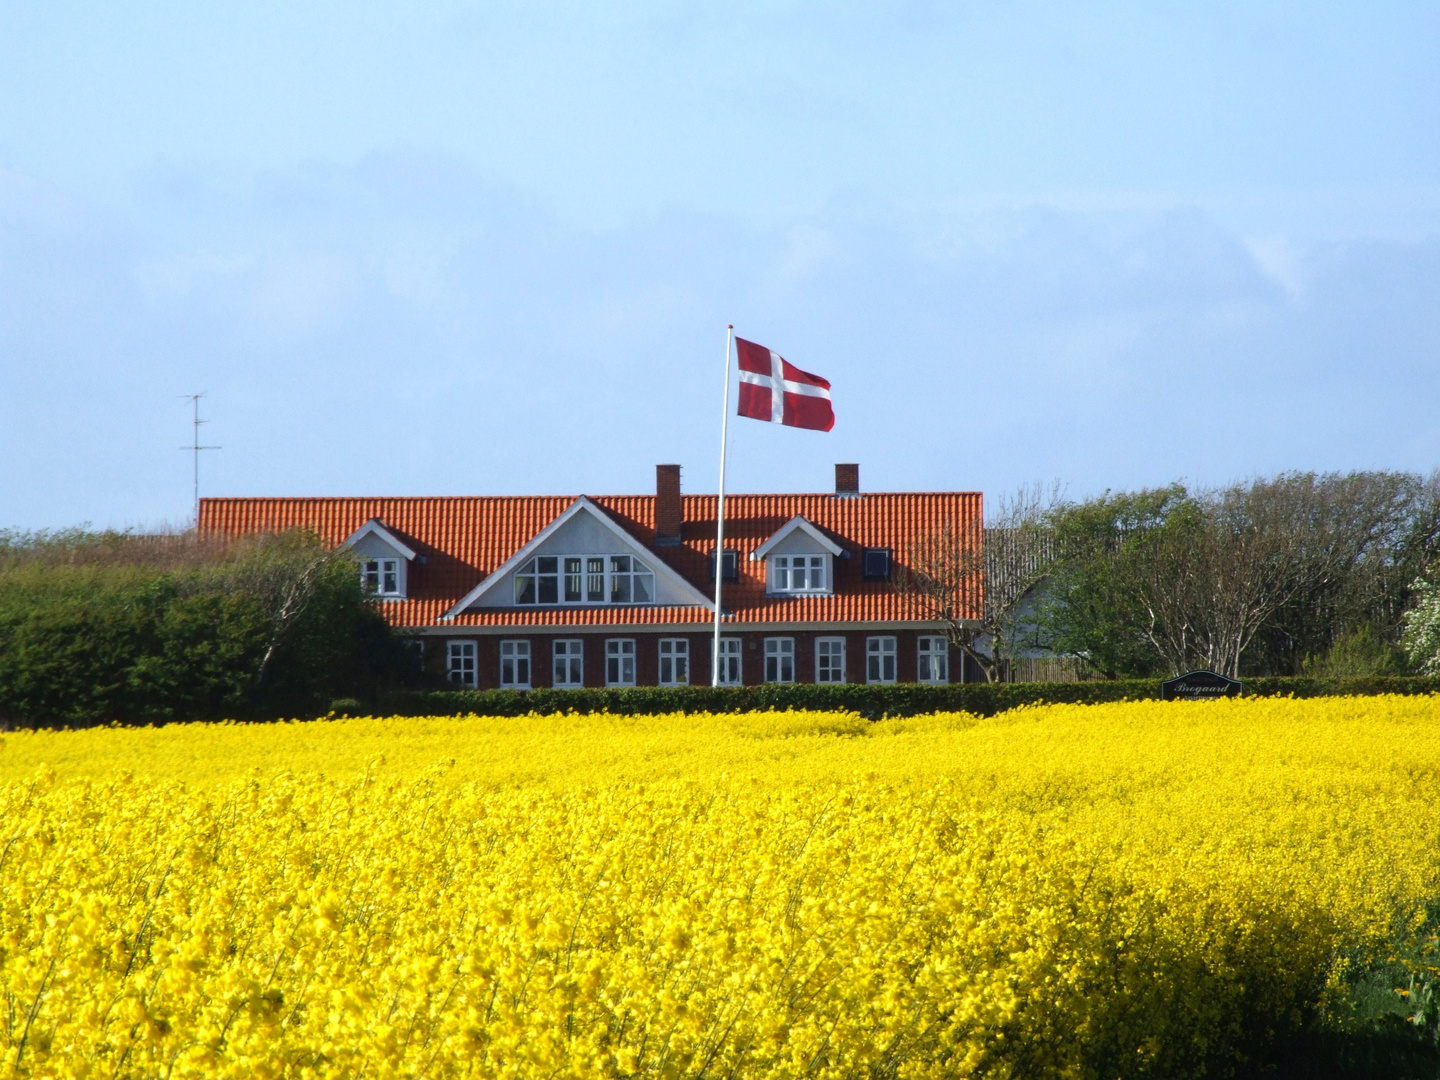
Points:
[[777, 894]]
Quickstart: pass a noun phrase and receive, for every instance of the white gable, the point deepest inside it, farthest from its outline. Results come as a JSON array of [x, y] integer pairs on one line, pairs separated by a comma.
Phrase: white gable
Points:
[[583, 529], [584, 535], [378, 542], [796, 537], [797, 542]]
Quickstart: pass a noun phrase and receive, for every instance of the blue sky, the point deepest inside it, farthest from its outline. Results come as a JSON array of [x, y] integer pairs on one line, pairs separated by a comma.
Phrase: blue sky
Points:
[[476, 249]]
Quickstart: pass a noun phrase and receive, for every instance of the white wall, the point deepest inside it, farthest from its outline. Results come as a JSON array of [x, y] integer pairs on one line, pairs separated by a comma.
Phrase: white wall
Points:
[[583, 535]]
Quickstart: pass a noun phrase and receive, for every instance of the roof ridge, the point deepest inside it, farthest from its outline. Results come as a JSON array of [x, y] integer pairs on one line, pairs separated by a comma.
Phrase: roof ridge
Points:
[[572, 497]]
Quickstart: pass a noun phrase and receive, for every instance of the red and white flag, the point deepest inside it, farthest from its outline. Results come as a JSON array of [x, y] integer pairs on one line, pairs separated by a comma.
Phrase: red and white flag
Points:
[[772, 388]]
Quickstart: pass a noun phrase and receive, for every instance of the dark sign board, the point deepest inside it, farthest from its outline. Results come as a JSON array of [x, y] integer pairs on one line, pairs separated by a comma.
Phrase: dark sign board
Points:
[[1198, 686]]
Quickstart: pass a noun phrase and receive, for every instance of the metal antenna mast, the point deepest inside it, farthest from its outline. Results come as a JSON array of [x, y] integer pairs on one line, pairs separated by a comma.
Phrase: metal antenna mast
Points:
[[195, 449]]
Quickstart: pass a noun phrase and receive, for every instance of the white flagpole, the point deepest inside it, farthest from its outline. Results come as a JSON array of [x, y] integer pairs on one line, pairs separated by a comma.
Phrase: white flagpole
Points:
[[720, 511]]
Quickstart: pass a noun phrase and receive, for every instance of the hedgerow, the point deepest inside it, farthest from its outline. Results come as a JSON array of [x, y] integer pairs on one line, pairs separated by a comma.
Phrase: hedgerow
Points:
[[872, 702]]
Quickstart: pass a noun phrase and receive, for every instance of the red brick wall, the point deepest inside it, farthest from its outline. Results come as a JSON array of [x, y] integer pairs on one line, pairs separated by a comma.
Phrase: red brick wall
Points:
[[647, 656]]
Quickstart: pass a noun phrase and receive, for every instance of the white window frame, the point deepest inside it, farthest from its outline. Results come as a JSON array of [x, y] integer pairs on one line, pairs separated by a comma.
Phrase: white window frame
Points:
[[674, 662], [829, 661], [515, 666], [881, 659], [380, 577], [732, 661], [812, 571], [567, 663], [583, 580], [619, 661], [932, 660], [779, 659], [462, 658]]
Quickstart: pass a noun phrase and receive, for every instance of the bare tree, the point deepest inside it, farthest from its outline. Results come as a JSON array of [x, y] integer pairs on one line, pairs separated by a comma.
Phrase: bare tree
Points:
[[1224, 562], [976, 581], [285, 572]]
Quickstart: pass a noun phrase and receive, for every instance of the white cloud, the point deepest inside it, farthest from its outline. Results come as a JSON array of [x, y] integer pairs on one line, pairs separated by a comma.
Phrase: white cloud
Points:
[[505, 352], [302, 290], [1282, 259]]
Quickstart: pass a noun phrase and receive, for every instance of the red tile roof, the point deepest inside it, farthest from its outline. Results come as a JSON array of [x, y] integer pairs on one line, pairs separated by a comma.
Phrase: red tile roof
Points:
[[464, 539]]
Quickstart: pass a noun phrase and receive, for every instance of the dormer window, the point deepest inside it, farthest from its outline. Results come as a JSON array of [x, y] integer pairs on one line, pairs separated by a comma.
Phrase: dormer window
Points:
[[798, 559], [384, 560], [732, 566], [381, 577], [584, 579], [798, 574], [877, 564]]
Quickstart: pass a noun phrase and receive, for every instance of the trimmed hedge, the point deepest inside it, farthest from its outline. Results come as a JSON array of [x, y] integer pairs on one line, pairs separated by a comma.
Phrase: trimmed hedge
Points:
[[907, 699]]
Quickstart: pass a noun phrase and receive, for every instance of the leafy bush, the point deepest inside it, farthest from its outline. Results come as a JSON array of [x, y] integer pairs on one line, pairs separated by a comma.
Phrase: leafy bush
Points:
[[1360, 651], [1422, 628]]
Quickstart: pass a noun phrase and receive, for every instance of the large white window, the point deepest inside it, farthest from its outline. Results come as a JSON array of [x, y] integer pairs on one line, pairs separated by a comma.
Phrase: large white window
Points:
[[729, 667], [620, 662], [797, 573], [780, 659], [460, 663], [515, 665], [568, 655], [584, 579], [880, 659], [934, 653], [381, 576], [830, 660], [674, 661]]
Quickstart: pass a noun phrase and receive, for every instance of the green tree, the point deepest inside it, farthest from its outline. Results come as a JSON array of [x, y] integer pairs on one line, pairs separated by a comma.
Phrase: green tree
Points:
[[1260, 577], [1092, 608]]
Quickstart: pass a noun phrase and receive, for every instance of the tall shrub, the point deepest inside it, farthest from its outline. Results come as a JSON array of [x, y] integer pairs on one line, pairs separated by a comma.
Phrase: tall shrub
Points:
[[95, 628]]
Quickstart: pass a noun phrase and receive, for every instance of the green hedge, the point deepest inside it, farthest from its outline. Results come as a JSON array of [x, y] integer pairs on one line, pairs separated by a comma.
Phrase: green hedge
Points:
[[871, 701], [96, 642]]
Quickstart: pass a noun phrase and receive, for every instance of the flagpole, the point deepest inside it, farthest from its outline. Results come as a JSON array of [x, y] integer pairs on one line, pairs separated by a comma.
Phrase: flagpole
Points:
[[720, 510]]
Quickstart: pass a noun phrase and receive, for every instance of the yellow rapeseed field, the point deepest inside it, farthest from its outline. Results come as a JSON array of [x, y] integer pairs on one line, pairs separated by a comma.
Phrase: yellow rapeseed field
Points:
[[1143, 889]]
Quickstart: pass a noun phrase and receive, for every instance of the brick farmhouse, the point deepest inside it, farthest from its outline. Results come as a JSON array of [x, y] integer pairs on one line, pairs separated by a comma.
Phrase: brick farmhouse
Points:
[[618, 590]]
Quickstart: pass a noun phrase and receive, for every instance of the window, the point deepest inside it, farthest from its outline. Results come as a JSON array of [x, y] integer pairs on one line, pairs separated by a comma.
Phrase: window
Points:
[[779, 659], [674, 662], [584, 579], [515, 665], [732, 566], [538, 582], [630, 581], [568, 656], [729, 667], [460, 662], [830, 660], [797, 573], [880, 659], [620, 662], [877, 564], [381, 576], [934, 655]]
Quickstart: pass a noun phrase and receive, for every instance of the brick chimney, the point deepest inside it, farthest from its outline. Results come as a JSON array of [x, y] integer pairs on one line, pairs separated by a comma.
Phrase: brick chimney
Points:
[[668, 515], [847, 480]]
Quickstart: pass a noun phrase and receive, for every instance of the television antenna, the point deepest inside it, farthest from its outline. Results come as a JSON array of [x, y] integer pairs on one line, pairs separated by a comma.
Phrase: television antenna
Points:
[[195, 449]]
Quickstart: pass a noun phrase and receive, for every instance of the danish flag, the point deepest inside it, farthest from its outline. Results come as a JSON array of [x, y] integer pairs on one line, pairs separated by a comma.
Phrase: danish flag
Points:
[[772, 388]]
